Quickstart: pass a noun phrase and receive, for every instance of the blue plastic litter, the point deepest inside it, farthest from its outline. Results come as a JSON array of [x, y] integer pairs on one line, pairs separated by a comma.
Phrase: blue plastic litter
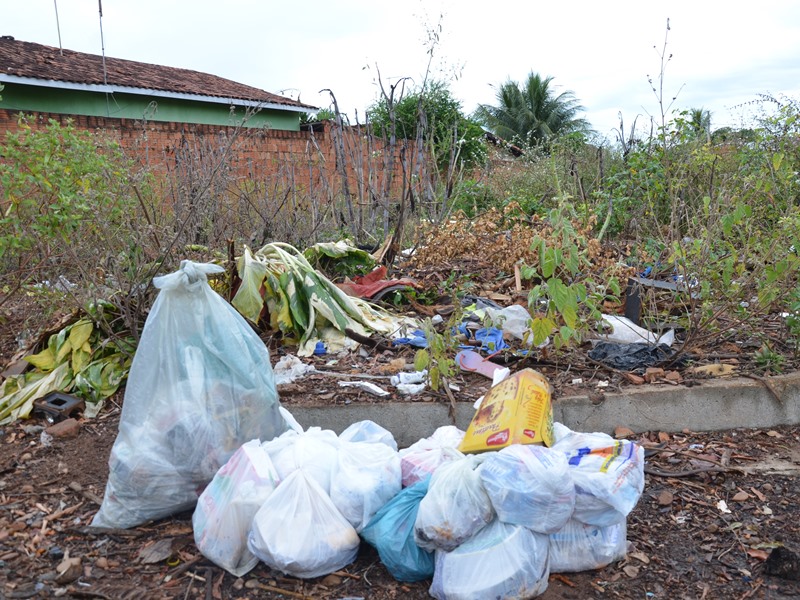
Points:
[[416, 339], [320, 348], [491, 339], [391, 532]]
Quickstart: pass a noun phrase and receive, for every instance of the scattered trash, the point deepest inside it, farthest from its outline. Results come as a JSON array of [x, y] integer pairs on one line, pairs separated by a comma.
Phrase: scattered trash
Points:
[[625, 331], [57, 406], [409, 377], [200, 386], [471, 361], [410, 389], [374, 286], [722, 506], [500, 561], [368, 387], [416, 339], [515, 411], [630, 356]]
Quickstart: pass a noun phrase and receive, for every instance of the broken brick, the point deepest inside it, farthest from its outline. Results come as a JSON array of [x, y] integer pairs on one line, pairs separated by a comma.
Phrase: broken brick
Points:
[[65, 428]]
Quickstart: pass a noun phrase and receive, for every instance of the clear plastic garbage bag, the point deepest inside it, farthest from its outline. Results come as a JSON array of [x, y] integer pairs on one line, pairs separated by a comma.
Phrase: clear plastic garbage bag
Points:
[[200, 386], [315, 451], [455, 508], [608, 474], [424, 456], [366, 477], [580, 547], [299, 531], [501, 561], [225, 509], [391, 533], [368, 431], [531, 486]]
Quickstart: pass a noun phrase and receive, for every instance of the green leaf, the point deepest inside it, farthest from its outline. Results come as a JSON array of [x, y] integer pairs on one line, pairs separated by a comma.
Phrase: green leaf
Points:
[[44, 360], [541, 327], [559, 293], [421, 360], [80, 332], [548, 263], [570, 316]]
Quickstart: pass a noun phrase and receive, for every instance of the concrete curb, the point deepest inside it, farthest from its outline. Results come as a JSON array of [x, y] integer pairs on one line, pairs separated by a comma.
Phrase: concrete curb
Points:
[[714, 405]]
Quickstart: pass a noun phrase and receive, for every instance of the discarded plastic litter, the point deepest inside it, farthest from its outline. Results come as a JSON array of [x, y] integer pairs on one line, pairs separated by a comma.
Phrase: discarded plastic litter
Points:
[[200, 386], [625, 331], [290, 368], [366, 386], [412, 377], [628, 357]]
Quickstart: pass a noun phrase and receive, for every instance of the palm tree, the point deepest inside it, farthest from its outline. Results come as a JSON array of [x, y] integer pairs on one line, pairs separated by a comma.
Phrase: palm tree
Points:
[[532, 113], [700, 122]]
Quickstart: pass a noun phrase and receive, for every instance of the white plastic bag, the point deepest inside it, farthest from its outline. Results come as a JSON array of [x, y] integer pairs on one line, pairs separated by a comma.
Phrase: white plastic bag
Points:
[[423, 457], [366, 477], [314, 451], [531, 486], [455, 508], [199, 387], [368, 431], [625, 331], [608, 474], [579, 547], [501, 561], [225, 509], [299, 531]]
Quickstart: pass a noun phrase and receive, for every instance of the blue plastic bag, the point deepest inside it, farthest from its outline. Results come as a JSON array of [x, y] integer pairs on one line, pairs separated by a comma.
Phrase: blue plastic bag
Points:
[[391, 532]]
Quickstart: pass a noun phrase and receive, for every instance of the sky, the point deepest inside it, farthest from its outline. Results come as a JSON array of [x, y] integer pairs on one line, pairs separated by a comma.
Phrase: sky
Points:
[[724, 55]]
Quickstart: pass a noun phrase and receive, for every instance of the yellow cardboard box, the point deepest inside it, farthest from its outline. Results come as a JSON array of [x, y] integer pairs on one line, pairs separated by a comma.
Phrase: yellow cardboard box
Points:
[[517, 410]]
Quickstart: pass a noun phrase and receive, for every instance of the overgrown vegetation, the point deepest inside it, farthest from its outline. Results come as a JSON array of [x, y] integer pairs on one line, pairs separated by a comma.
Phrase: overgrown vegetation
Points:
[[716, 212]]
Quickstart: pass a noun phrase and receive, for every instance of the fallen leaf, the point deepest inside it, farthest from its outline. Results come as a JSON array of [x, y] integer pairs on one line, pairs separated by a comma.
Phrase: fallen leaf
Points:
[[715, 370], [665, 498], [156, 552], [758, 494], [621, 432], [332, 580], [741, 497], [759, 554], [663, 437], [766, 510], [640, 556], [774, 434], [631, 571]]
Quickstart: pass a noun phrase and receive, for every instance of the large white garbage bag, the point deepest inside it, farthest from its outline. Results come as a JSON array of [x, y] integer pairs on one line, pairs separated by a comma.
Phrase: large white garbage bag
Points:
[[200, 386]]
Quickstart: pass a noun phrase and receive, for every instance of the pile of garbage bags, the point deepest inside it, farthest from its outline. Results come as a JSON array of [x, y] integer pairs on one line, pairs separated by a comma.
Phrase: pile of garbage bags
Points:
[[487, 525]]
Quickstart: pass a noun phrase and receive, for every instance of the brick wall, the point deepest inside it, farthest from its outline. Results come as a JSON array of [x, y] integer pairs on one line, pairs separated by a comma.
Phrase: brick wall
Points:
[[304, 160]]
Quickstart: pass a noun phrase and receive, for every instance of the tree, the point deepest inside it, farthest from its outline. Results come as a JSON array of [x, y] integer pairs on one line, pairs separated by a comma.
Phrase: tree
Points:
[[532, 113], [445, 128], [700, 122]]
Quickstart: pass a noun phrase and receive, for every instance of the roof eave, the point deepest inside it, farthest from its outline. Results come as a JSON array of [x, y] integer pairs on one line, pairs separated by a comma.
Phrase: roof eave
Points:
[[111, 88]]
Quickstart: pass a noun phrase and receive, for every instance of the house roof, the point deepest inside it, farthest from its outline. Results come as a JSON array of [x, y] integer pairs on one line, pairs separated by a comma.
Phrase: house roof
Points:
[[30, 62]]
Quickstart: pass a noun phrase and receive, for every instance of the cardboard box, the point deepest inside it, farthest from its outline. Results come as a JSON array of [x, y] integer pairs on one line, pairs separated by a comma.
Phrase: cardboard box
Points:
[[517, 410]]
